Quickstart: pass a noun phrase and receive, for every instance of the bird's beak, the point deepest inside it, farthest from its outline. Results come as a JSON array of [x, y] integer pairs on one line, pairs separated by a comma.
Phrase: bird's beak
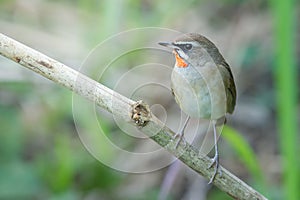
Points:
[[167, 44]]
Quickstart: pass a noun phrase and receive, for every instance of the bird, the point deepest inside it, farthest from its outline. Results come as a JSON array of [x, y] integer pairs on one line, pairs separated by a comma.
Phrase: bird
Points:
[[202, 84]]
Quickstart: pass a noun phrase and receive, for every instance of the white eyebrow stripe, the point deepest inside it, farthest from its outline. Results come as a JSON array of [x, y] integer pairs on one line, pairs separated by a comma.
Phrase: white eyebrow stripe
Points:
[[194, 43]]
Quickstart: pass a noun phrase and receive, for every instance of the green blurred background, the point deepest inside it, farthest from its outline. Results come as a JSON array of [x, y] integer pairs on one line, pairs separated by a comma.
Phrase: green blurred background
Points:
[[41, 155]]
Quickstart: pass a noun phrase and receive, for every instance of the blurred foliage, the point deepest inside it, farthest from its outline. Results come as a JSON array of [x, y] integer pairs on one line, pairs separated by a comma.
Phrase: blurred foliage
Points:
[[245, 154], [41, 156], [39, 162], [287, 87]]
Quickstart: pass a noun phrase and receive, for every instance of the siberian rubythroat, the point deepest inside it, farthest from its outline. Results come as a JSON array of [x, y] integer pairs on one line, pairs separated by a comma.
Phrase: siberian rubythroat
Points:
[[202, 83]]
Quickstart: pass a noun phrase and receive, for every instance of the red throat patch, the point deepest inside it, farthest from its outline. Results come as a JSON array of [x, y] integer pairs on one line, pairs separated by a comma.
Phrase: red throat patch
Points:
[[179, 61]]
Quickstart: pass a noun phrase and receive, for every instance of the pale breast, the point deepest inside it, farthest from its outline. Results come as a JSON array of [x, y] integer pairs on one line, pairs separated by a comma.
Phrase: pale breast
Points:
[[199, 92]]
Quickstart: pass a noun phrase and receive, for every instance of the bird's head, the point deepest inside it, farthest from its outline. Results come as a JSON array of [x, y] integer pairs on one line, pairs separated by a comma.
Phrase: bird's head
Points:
[[193, 49]]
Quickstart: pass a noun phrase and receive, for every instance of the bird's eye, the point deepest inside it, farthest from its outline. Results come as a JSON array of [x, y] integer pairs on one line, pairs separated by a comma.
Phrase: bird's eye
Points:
[[188, 46]]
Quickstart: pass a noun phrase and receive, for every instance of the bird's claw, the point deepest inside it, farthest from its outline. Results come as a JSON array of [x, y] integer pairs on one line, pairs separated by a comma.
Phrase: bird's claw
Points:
[[215, 162]]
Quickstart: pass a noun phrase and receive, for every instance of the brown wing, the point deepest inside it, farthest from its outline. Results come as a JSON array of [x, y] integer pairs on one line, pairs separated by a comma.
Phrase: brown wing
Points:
[[229, 85]]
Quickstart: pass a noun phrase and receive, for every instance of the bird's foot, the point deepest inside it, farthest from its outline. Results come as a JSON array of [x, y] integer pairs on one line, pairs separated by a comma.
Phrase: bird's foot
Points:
[[215, 163]]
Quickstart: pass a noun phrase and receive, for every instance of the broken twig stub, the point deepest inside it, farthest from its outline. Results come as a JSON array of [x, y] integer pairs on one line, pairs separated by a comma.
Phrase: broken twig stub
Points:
[[140, 113]]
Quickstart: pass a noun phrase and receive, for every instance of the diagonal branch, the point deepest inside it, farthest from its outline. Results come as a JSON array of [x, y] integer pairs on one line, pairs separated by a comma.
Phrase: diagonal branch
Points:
[[135, 113]]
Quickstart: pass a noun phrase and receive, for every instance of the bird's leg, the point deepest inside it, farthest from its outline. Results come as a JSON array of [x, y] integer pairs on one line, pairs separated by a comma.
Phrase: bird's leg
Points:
[[181, 133], [215, 160]]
